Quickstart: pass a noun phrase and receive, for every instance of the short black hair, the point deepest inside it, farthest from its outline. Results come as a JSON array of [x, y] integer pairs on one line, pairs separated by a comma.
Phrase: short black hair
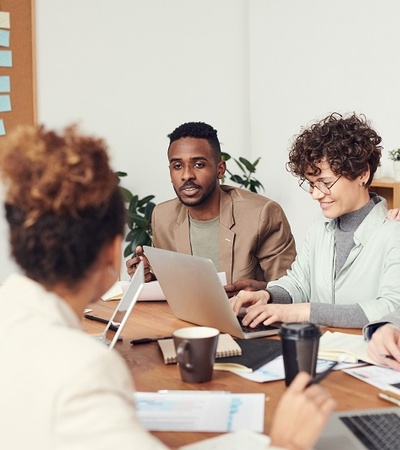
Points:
[[198, 130]]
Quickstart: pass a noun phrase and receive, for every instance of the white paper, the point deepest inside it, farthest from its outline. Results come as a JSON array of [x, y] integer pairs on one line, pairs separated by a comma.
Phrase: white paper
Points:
[[378, 376], [241, 439], [151, 291], [275, 370], [200, 411]]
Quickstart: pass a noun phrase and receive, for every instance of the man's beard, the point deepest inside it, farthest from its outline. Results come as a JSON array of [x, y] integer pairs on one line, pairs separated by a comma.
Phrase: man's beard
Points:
[[203, 199]]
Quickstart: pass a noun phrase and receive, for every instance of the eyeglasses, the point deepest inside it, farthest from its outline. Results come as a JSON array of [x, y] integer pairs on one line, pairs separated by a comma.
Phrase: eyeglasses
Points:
[[325, 188]]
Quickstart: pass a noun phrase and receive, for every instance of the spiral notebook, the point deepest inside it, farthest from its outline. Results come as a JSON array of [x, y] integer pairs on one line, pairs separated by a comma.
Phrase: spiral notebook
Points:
[[227, 346]]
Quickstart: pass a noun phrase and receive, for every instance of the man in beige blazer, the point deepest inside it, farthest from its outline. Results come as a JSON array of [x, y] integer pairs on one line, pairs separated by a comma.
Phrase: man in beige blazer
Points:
[[246, 235]]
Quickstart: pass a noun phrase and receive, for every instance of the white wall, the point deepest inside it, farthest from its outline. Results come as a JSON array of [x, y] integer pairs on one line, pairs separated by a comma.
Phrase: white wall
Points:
[[257, 70], [309, 58]]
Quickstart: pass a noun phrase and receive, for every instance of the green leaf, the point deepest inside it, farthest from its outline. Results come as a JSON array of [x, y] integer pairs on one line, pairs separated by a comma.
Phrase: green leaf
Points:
[[141, 237], [237, 179], [240, 166], [145, 200], [225, 156], [148, 211], [126, 194], [249, 166], [138, 221], [133, 204]]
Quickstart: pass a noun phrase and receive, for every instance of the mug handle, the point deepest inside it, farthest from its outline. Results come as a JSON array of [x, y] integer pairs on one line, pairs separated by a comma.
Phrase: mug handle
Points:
[[183, 354]]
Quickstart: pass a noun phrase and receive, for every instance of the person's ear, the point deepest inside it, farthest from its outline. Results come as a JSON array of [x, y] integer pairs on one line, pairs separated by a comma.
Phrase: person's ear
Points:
[[364, 178], [221, 168]]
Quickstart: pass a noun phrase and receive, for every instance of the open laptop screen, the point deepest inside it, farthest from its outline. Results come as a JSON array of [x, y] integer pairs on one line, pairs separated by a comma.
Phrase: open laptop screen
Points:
[[125, 306]]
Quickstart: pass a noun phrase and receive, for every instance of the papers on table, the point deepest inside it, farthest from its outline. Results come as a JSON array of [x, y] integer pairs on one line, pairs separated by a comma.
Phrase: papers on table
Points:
[[151, 291], [211, 411], [275, 370], [237, 440], [344, 347], [378, 376]]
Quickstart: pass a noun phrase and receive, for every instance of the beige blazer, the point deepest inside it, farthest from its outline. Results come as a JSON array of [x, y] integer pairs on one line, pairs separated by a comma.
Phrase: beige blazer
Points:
[[60, 389], [255, 237]]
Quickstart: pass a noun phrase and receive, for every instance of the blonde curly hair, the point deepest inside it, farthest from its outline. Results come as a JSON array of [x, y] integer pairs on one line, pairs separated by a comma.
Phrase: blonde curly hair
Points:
[[62, 201]]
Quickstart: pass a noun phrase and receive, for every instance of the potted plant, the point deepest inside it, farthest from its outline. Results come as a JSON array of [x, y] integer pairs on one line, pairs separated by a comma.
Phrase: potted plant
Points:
[[138, 218], [394, 155], [247, 179]]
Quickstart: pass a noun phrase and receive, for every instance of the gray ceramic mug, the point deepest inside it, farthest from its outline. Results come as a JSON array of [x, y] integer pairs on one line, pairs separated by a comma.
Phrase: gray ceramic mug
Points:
[[300, 343], [195, 350]]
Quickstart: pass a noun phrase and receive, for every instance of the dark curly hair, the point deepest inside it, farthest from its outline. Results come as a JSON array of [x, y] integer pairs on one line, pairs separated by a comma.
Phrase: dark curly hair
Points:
[[199, 130], [348, 144], [62, 202]]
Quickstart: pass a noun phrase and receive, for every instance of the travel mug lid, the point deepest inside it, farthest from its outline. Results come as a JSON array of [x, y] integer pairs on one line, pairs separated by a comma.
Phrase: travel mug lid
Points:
[[300, 330]]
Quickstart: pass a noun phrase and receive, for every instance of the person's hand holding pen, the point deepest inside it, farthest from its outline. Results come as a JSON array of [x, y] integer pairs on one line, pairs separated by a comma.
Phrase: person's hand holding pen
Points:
[[301, 414], [133, 262], [384, 346]]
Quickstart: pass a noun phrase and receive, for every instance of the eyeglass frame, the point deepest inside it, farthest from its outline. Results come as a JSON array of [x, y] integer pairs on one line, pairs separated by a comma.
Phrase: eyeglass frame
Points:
[[328, 188]]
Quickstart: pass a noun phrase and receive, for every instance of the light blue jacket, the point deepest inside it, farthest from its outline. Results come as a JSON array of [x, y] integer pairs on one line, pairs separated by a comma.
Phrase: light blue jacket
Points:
[[370, 276]]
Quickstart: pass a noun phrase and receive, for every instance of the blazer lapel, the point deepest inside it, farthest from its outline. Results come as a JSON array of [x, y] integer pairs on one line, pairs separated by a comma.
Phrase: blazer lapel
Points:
[[182, 238], [226, 236]]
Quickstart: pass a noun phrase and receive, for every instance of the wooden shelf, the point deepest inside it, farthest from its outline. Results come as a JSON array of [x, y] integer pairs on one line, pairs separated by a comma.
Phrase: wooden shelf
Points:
[[388, 188]]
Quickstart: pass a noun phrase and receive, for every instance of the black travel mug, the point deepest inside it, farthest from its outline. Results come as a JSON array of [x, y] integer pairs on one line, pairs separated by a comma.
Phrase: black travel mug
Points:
[[300, 342]]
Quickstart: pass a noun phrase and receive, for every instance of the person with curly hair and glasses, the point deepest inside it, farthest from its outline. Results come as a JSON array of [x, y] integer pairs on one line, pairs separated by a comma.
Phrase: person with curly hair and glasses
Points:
[[348, 271]]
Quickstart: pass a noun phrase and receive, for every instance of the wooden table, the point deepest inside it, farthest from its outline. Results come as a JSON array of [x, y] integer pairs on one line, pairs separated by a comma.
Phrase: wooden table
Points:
[[154, 319]]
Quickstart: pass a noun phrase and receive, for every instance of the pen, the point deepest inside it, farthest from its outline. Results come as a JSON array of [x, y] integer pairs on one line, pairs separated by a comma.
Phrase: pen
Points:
[[388, 357], [148, 340], [322, 375], [101, 320]]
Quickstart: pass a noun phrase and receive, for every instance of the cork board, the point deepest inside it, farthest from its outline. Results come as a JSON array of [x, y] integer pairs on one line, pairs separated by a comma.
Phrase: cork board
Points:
[[21, 74]]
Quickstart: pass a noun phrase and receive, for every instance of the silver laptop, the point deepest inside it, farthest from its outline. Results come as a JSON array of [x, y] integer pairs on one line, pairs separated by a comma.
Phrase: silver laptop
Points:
[[125, 306], [362, 429], [194, 292]]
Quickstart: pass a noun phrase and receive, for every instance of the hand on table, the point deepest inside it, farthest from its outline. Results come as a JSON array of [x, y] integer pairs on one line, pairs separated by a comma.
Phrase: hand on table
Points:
[[385, 342], [301, 415]]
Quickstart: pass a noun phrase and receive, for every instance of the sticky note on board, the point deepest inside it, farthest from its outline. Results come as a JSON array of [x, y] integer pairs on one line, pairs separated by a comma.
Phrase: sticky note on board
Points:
[[4, 19], [5, 58], [2, 128], [4, 38], [5, 103], [5, 83]]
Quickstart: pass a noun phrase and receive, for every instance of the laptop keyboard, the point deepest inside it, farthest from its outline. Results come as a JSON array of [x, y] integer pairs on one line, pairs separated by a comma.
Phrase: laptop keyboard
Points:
[[376, 431], [259, 327]]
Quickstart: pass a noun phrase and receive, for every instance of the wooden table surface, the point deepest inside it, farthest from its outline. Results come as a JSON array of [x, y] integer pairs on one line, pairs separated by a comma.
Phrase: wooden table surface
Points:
[[154, 319]]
